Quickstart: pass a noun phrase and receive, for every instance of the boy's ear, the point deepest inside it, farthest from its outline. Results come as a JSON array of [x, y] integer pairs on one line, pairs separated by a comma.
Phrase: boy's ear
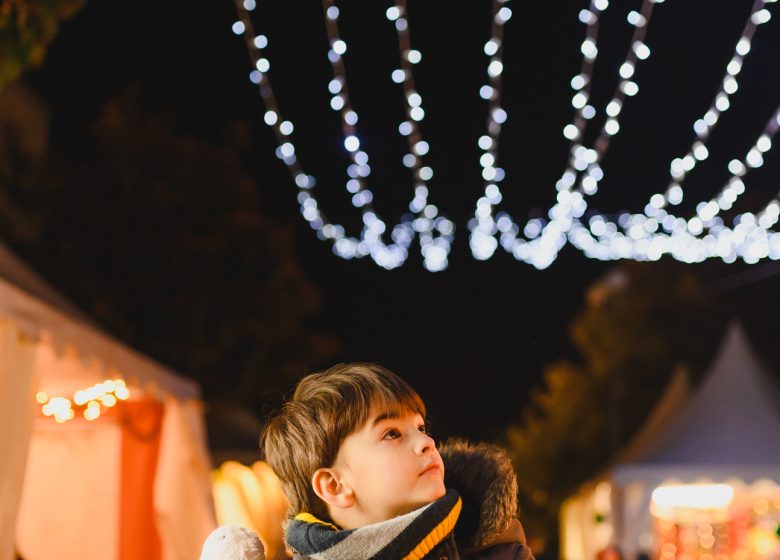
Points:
[[331, 489]]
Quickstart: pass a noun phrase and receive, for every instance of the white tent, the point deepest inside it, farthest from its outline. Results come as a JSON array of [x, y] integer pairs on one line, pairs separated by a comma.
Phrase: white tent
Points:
[[131, 483], [726, 431]]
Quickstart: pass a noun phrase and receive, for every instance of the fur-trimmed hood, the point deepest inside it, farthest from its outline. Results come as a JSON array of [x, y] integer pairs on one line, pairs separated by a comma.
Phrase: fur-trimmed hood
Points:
[[484, 476]]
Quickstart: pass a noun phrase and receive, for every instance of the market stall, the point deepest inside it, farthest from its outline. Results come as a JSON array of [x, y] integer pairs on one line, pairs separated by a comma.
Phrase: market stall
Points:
[[104, 451], [701, 481]]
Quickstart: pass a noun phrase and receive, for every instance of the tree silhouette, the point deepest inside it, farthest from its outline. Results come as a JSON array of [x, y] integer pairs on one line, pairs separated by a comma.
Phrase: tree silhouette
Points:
[[163, 238], [27, 28], [634, 330]]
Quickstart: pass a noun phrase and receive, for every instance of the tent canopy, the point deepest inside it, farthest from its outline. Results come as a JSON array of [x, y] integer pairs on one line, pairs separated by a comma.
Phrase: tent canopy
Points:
[[40, 312], [728, 428], [136, 482]]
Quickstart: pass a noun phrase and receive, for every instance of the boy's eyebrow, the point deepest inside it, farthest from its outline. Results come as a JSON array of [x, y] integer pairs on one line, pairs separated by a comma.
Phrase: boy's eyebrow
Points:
[[385, 416]]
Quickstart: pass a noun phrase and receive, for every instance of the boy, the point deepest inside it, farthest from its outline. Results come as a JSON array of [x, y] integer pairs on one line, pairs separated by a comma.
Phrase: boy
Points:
[[365, 479]]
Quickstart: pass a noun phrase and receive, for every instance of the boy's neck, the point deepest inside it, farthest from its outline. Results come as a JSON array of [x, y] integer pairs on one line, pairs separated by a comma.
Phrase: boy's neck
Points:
[[352, 518]]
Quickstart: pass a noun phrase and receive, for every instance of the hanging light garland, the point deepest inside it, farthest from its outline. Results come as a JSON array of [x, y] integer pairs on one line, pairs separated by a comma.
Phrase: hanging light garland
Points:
[[90, 402], [542, 240], [435, 231], [642, 236], [637, 236]]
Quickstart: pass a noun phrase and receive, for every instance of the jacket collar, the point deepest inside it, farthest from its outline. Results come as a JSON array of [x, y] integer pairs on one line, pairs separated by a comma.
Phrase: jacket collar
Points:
[[410, 536]]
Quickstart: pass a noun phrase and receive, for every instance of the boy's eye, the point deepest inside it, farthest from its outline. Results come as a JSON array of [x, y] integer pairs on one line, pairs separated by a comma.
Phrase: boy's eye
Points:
[[423, 428], [391, 434]]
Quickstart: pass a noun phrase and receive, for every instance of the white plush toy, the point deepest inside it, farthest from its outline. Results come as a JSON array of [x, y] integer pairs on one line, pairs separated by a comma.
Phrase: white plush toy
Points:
[[232, 542]]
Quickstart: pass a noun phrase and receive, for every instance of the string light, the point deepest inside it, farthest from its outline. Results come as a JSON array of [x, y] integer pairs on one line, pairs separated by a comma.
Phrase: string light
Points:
[[639, 238], [646, 235], [543, 241], [698, 238], [483, 227], [91, 402], [435, 232]]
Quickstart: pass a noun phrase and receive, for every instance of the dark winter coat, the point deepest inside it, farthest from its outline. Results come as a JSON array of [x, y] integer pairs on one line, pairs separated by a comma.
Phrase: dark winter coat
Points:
[[488, 528]]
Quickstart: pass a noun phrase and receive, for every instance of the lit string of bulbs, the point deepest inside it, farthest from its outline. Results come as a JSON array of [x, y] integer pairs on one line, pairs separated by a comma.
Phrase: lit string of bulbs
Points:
[[634, 236], [541, 250], [435, 232], [91, 402], [750, 238]]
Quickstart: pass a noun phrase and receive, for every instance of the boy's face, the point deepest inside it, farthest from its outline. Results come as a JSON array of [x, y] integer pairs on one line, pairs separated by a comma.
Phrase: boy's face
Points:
[[392, 466]]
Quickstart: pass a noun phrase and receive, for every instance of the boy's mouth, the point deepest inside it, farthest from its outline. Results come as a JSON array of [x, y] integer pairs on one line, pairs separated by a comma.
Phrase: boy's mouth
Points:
[[434, 467]]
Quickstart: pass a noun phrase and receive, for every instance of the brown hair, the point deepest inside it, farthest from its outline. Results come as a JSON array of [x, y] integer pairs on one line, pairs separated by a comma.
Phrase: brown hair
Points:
[[327, 407]]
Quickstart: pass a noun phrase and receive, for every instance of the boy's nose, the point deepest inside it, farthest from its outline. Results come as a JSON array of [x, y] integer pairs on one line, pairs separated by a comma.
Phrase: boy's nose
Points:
[[424, 444]]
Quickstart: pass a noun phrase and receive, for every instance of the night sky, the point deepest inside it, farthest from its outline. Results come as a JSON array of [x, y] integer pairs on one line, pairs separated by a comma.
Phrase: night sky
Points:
[[472, 339]]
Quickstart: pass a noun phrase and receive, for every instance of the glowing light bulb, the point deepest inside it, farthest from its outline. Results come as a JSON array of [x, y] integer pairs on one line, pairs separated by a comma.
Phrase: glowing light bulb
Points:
[[261, 41]]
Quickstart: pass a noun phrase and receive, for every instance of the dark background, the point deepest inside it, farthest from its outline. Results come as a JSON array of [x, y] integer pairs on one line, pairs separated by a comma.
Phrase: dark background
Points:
[[473, 339]]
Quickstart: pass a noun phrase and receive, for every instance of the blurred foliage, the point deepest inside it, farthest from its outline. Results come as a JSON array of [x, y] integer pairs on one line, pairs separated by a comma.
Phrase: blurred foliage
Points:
[[24, 138], [635, 328], [163, 239], [27, 28]]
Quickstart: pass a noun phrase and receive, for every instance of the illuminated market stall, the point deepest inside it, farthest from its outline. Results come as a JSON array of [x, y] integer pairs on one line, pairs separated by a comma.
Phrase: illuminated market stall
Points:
[[702, 479], [104, 451]]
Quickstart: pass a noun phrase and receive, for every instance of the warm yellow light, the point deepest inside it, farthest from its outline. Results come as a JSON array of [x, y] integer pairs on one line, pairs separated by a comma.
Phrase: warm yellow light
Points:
[[668, 550], [92, 412], [59, 406], [693, 496], [761, 507], [707, 541], [106, 393]]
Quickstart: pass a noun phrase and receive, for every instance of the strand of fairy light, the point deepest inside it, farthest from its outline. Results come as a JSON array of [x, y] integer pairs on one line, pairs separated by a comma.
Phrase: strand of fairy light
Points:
[[545, 240], [542, 251], [643, 227], [585, 162], [703, 126], [571, 204], [426, 220], [370, 243], [359, 170], [282, 129], [483, 227], [639, 239], [588, 159], [90, 401], [435, 232], [749, 239]]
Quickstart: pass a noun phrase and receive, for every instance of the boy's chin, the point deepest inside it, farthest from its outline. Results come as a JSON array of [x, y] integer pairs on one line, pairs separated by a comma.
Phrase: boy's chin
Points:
[[440, 492], [431, 496]]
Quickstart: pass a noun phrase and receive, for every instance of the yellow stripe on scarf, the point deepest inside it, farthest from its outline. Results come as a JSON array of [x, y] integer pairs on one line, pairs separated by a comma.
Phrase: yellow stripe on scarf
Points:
[[309, 518], [437, 535]]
